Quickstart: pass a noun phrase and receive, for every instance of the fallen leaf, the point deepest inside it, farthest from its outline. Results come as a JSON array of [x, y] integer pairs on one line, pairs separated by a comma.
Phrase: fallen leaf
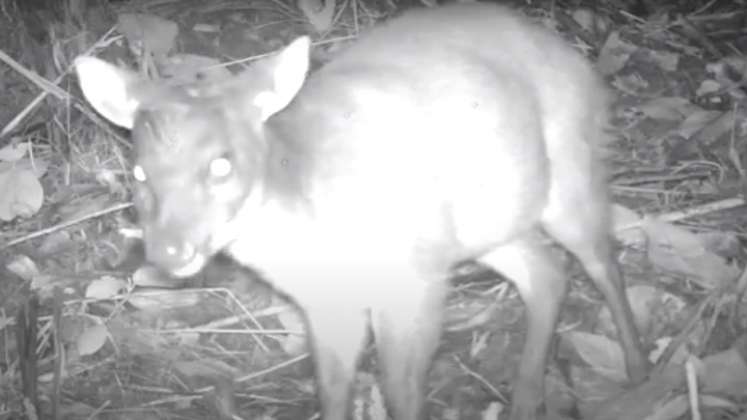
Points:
[[668, 108], [295, 343], [13, 151], [642, 299], [696, 121], [667, 61], [153, 33], [630, 84], [585, 18], [679, 251], [670, 409], [592, 389], [105, 288], [725, 373], [625, 226], [707, 86], [150, 276], [643, 400], [24, 267], [5, 321], [717, 127], [603, 355], [319, 13], [21, 194], [91, 340], [614, 54], [56, 242]]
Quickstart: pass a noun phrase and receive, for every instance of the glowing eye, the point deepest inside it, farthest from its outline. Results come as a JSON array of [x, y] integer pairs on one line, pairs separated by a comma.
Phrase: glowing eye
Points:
[[139, 173], [220, 167]]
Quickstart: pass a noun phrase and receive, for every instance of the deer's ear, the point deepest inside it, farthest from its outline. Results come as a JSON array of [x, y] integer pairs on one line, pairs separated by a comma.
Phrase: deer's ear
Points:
[[108, 89], [287, 73]]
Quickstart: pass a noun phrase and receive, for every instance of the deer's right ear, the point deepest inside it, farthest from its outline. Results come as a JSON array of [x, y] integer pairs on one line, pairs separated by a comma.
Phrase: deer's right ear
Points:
[[287, 72], [108, 89]]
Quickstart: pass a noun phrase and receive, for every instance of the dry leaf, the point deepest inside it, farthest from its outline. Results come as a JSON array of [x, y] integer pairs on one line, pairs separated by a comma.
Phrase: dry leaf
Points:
[[671, 409], [677, 250], [725, 373], [667, 61], [624, 224], [695, 122], [630, 84], [669, 108], [105, 288], [21, 194], [292, 320], [707, 86], [13, 151], [6, 321], [717, 127], [614, 55], [56, 242], [585, 19], [603, 355], [150, 276], [319, 13], [642, 299], [644, 400], [91, 340], [24, 267], [592, 389], [149, 32]]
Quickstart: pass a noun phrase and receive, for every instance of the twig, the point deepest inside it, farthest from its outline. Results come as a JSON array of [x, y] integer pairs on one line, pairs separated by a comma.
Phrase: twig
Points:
[[692, 389], [55, 228], [675, 216], [680, 338], [480, 379], [248, 377], [271, 369], [31, 106]]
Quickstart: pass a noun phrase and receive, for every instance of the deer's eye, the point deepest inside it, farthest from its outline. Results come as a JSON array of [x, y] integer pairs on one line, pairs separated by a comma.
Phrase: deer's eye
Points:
[[220, 168], [139, 173]]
